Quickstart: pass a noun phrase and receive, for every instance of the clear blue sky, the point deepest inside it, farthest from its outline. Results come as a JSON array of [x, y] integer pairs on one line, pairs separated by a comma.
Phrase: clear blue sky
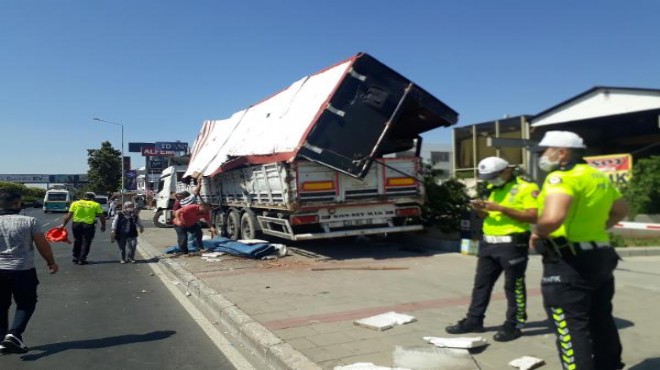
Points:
[[162, 67]]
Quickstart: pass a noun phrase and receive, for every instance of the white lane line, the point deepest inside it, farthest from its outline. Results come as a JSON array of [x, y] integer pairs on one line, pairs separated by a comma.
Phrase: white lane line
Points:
[[225, 346]]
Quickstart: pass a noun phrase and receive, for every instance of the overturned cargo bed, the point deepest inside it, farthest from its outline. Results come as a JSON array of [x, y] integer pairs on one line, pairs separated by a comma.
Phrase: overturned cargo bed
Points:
[[343, 117]]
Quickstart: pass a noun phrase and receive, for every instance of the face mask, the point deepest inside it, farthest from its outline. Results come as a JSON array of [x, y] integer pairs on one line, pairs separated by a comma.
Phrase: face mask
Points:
[[548, 165], [498, 181]]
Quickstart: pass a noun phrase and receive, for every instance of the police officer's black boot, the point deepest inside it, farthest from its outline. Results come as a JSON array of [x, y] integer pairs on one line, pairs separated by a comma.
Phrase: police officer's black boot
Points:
[[465, 326], [507, 332]]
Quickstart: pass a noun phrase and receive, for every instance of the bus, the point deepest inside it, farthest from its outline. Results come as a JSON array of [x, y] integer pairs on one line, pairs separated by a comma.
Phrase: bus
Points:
[[57, 200]]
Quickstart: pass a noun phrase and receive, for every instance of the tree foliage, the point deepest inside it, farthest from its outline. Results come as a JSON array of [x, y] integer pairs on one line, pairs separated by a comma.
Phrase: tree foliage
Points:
[[29, 194], [104, 172], [445, 202], [643, 191]]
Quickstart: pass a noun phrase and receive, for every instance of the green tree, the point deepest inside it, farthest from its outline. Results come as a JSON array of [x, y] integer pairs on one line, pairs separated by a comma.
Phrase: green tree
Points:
[[29, 194], [13, 186], [445, 202], [643, 191], [104, 172]]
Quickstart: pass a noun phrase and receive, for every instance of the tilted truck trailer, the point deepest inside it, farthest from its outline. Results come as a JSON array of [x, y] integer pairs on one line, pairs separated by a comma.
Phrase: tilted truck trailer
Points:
[[319, 159]]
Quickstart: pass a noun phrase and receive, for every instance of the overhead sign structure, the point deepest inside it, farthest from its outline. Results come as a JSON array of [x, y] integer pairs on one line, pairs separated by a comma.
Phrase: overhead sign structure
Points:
[[44, 179], [150, 152], [617, 166], [176, 146], [25, 178]]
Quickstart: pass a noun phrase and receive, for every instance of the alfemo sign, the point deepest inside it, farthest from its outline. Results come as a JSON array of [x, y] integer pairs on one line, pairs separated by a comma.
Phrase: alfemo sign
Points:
[[151, 152]]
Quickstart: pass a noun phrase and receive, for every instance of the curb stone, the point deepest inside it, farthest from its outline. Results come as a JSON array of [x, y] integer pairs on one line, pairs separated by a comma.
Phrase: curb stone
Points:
[[270, 350]]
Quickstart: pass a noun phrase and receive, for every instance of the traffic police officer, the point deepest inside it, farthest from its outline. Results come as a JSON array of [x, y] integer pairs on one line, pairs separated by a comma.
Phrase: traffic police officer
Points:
[[508, 211], [577, 205]]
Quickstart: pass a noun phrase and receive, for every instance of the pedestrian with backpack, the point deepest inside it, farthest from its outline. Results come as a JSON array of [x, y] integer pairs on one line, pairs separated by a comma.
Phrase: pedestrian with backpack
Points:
[[125, 227]]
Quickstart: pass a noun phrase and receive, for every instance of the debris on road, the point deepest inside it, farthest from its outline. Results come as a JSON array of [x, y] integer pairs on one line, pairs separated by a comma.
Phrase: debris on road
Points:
[[384, 321], [433, 358], [527, 363], [213, 254], [366, 366], [462, 342]]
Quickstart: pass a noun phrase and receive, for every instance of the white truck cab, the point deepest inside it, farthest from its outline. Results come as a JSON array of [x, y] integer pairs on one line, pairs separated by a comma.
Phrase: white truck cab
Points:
[[164, 197]]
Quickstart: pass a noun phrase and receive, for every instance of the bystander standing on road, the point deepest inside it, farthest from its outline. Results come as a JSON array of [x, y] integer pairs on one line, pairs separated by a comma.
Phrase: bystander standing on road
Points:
[[125, 227], [187, 220], [508, 211], [577, 205], [18, 276], [83, 214], [112, 207]]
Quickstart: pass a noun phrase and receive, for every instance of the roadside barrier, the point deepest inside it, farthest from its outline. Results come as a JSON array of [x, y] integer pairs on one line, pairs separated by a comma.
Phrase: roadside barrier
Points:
[[637, 226]]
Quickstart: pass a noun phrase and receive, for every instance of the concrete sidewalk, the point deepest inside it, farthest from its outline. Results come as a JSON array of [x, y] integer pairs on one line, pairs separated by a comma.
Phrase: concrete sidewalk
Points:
[[297, 312]]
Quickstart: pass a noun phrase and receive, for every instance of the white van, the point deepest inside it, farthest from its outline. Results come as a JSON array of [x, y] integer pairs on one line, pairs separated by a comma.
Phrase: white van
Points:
[[57, 200]]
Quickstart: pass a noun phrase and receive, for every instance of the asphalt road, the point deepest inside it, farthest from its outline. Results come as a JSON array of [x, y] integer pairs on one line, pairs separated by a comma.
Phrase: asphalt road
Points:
[[107, 315]]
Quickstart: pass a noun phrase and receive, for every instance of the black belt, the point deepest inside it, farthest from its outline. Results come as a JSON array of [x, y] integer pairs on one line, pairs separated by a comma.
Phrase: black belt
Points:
[[563, 247]]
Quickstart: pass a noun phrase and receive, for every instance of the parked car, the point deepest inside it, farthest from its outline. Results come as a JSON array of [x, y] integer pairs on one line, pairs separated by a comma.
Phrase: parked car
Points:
[[103, 201]]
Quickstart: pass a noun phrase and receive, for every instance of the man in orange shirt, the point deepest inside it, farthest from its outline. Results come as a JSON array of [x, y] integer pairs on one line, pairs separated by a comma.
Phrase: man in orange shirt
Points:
[[186, 220]]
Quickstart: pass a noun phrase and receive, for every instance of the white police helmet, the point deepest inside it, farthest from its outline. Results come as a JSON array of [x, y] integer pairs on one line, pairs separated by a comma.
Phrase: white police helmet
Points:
[[491, 167], [561, 139]]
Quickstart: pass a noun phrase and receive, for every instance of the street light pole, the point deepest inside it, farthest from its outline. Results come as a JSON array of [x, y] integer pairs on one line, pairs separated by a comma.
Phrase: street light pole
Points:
[[122, 153]]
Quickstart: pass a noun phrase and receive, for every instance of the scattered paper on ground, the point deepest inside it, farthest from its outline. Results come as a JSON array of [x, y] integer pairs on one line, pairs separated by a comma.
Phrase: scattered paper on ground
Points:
[[281, 249], [527, 363], [433, 358], [384, 321], [463, 342], [213, 254], [366, 366]]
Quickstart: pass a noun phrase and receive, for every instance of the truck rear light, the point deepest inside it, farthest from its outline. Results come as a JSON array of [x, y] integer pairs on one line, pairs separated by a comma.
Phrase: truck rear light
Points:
[[304, 219], [400, 181], [407, 212], [318, 186]]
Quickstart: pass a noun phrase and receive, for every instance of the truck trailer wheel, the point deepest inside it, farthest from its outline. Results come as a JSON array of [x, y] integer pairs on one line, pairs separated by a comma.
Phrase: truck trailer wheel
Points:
[[159, 219], [249, 226], [233, 224]]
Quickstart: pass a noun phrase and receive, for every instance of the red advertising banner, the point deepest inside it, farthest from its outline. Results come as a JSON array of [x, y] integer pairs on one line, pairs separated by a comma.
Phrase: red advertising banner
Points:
[[617, 166], [150, 152]]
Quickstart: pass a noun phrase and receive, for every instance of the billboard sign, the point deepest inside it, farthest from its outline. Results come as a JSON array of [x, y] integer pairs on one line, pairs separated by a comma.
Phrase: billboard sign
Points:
[[157, 163], [131, 180], [137, 147], [151, 152], [176, 146], [617, 166]]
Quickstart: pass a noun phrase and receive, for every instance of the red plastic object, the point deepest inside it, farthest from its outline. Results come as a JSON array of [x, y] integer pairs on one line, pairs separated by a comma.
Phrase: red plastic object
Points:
[[58, 234]]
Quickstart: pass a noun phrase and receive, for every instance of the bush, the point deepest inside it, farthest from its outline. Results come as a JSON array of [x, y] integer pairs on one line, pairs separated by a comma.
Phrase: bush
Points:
[[643, 191], [29, 194], [445, 202]]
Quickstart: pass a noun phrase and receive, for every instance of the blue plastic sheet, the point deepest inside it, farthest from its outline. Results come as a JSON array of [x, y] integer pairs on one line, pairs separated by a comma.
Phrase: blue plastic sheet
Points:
[[231, 247]]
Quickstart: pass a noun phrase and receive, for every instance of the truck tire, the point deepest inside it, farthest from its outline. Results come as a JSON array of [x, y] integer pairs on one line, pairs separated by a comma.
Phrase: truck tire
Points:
[[249, 226], [159, 219], [233, 224]]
